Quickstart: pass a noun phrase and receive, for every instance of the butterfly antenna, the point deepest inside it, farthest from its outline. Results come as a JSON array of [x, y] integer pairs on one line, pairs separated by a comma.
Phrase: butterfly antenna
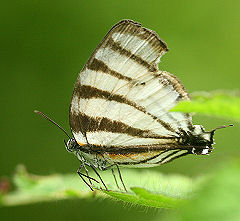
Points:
[[49, 119], [220, 127]]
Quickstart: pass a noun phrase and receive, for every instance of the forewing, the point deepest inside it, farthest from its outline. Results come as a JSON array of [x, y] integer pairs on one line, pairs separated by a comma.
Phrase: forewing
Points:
[[121, 98]]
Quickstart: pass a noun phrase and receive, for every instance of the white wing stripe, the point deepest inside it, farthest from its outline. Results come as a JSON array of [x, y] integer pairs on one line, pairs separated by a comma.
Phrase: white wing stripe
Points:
[[120, 63], [106, 138], [98, 80], [154, 96], [96, 107], [174, 156], [137, 46], [80, 138]]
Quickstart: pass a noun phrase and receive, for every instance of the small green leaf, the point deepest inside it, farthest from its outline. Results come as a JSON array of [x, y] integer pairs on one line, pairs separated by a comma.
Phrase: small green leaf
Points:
[[146, 198], [220, 104], [158, 200]]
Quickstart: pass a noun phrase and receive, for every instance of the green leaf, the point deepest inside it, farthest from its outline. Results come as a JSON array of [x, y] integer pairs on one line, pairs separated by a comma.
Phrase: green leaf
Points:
[[146, 198], [220, 104], [213, 198], [146, 188]]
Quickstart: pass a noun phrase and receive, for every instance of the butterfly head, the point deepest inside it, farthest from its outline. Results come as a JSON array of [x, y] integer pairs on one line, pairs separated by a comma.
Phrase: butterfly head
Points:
[[71, 145]]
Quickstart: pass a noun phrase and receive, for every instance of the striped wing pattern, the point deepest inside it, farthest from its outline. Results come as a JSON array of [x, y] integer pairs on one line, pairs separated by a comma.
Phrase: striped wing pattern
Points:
[[121, 100]]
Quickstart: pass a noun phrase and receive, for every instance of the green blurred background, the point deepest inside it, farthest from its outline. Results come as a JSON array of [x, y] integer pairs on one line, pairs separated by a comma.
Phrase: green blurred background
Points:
[[44, 45]]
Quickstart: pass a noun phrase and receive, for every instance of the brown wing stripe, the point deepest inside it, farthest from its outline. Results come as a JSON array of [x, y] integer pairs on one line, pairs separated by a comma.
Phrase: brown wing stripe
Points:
[[87, 92], [151, 158], [145, 161], [141, 161], [167, 156], [181, 155], [90, 124], [174, 82], [97, 65], [118, 48], [132, 149]]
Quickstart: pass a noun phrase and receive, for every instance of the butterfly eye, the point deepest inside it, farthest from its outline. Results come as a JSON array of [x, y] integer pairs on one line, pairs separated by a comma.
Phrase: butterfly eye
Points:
[[71, 145]]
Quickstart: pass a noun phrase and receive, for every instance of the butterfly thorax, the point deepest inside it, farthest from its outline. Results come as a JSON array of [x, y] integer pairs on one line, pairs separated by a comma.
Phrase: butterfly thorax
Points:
[[87, 155]]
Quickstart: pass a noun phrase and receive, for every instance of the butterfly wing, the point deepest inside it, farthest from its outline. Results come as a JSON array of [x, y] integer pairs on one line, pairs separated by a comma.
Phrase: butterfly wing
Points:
[[121, 99]]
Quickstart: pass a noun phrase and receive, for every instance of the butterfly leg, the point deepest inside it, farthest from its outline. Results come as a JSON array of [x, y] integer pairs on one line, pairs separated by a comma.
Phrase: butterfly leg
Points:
[[89, 178], [120, 176], [82, 175], [99, 176], [115, 179]]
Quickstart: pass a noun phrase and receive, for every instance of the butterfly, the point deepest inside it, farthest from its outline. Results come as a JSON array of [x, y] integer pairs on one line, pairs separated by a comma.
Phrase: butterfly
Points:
[[119, 112]]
